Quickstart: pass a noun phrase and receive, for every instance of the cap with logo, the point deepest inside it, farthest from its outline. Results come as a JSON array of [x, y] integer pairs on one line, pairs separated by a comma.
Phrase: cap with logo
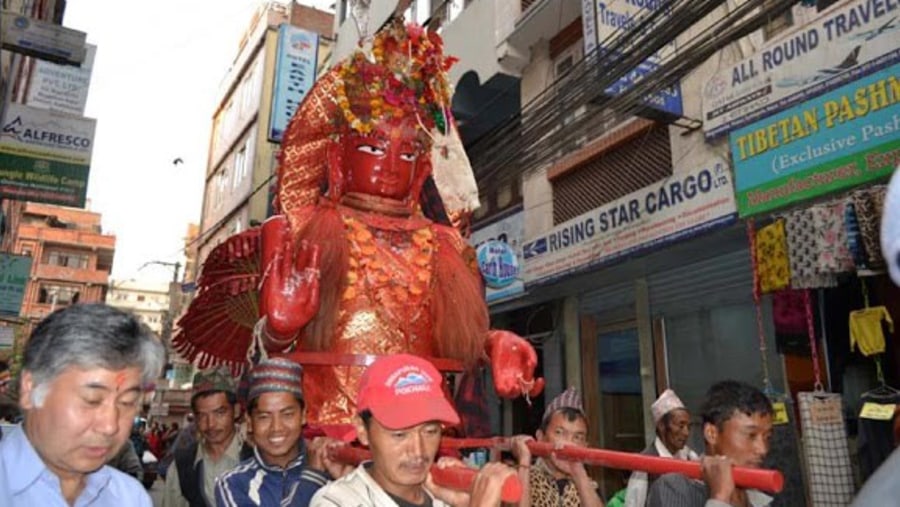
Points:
[[402, 390]]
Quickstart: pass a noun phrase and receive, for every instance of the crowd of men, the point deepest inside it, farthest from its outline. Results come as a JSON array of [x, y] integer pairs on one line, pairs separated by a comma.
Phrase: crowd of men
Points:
[[85, 368]]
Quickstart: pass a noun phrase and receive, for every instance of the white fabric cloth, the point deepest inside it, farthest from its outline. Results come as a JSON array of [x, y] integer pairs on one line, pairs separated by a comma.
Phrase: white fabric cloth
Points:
[[638, 483], [357, 489]]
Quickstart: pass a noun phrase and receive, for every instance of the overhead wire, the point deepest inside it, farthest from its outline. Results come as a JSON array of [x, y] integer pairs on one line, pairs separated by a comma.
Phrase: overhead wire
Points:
[[537, 135]]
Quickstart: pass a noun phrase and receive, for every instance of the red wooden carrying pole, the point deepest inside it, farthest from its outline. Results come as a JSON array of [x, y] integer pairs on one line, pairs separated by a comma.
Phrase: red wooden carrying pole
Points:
[[459, 478], [770, 481]]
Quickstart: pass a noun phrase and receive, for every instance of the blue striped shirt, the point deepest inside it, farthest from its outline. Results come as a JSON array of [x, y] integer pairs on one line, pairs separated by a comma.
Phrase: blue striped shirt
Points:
[[26, 482]]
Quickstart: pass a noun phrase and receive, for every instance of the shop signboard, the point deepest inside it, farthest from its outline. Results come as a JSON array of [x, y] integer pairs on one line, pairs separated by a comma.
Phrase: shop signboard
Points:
[[847, 41], [606, 20], [838, 140], [45, 156], [685, 204], [498, 247], [40, 39], [61, 87], [295, 72], [14, 273]]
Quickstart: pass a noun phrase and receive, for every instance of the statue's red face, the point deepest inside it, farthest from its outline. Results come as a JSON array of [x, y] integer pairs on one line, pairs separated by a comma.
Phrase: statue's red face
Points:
[[383, 162]]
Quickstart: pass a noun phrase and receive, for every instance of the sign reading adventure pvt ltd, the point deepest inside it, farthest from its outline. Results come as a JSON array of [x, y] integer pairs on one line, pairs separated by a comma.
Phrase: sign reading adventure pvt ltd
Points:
[[843, 138], [845, 42], [679, 206], [499, 250], [45, 156]]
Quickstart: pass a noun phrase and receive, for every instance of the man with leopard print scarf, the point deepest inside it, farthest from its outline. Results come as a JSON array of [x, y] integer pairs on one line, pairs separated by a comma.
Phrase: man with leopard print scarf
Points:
[[555, 482]]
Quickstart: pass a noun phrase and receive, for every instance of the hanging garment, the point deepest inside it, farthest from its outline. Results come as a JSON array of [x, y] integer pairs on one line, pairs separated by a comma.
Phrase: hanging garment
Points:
[[803, 252], [833, 255], [866, 331], [875, 440], [854, 236], [869, 204], [831, 482], [789, 319], [772, 257]]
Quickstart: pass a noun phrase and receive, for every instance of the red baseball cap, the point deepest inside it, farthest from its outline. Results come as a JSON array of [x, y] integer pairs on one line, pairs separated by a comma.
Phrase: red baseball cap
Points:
[[402, 391]]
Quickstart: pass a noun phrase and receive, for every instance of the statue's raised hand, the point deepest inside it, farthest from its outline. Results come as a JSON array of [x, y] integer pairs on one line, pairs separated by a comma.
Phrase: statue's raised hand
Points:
[[289, 296], [513, 360]]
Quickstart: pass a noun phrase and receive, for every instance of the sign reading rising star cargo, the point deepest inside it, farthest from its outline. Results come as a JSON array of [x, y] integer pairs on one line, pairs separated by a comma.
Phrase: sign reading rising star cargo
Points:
[[843, 138], [45, 156], [682, 205]]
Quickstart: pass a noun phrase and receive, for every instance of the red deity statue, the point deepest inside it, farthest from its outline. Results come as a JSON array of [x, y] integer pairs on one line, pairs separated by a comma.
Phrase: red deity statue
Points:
[[351, 268]]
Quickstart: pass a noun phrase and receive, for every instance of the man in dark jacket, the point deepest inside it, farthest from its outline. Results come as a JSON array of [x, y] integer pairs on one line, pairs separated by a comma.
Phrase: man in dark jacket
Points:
[[191, 478]]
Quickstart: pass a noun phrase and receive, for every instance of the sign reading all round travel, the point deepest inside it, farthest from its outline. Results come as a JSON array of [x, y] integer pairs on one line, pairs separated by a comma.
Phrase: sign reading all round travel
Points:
[[498, 264]]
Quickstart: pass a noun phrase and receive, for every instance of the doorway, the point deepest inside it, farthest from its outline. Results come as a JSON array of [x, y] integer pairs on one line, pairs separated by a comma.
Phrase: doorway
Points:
[[613, 395]]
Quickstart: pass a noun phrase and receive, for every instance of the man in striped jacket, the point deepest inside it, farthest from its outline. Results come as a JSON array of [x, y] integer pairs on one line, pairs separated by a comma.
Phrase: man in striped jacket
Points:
[[278, 474]]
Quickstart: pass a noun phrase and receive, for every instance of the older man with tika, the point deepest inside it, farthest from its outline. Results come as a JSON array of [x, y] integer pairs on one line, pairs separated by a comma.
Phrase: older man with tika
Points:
[[83, 373]]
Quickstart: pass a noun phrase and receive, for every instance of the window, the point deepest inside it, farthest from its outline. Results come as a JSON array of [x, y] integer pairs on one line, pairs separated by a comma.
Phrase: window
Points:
[[67, 260], [26, 250], [247, 91], [58, 294], [141, 297], [239, 161], [778, 24]]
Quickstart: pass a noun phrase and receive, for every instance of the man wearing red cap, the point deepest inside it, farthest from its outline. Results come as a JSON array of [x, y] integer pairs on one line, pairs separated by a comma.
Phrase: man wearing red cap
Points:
[[402, 408]]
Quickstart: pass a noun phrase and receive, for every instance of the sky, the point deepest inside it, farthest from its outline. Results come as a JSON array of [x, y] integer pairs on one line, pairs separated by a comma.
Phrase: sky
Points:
[[155, 83]]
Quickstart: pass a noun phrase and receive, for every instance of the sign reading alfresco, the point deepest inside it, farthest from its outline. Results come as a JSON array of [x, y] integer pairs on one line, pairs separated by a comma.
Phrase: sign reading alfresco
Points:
[[45, 156], [679, 206], [841, 139], [845, 42]]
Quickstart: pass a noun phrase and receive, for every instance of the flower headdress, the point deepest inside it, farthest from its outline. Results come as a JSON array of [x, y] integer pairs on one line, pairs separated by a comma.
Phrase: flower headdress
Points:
[[402, 74], [405, 73]]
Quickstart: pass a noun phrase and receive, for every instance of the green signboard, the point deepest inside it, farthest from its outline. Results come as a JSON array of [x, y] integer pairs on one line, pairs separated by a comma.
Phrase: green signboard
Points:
[[25, 178], [839, 140], [14, 273]]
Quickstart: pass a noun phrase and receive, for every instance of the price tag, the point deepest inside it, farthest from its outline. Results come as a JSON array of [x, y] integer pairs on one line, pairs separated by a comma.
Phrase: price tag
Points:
[[780, 416], [826, 411], [878, 411]]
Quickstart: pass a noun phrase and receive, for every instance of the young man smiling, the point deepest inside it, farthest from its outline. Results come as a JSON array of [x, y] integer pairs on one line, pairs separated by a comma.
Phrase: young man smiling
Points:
[[278, 473]]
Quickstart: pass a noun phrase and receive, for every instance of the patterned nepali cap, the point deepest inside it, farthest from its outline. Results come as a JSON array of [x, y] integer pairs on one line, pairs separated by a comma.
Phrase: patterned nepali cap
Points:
[[275, 375], [213, 380], [667, 402], [567, 399]]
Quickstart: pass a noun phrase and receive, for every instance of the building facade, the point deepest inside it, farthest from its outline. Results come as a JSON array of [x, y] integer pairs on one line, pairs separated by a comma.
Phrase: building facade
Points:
[[628, 180], [252, 113], [149, 301], [71, 258]]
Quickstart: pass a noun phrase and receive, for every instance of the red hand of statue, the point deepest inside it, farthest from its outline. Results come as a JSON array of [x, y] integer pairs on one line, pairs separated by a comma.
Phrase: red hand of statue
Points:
[[289, 297], [513, 360]]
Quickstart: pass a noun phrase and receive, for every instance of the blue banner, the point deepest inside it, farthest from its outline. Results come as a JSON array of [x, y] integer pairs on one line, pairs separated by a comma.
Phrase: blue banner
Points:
[[295, 72]]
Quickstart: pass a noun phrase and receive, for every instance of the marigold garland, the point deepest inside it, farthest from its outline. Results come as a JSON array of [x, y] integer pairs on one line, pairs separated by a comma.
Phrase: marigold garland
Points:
[[404, 74]]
